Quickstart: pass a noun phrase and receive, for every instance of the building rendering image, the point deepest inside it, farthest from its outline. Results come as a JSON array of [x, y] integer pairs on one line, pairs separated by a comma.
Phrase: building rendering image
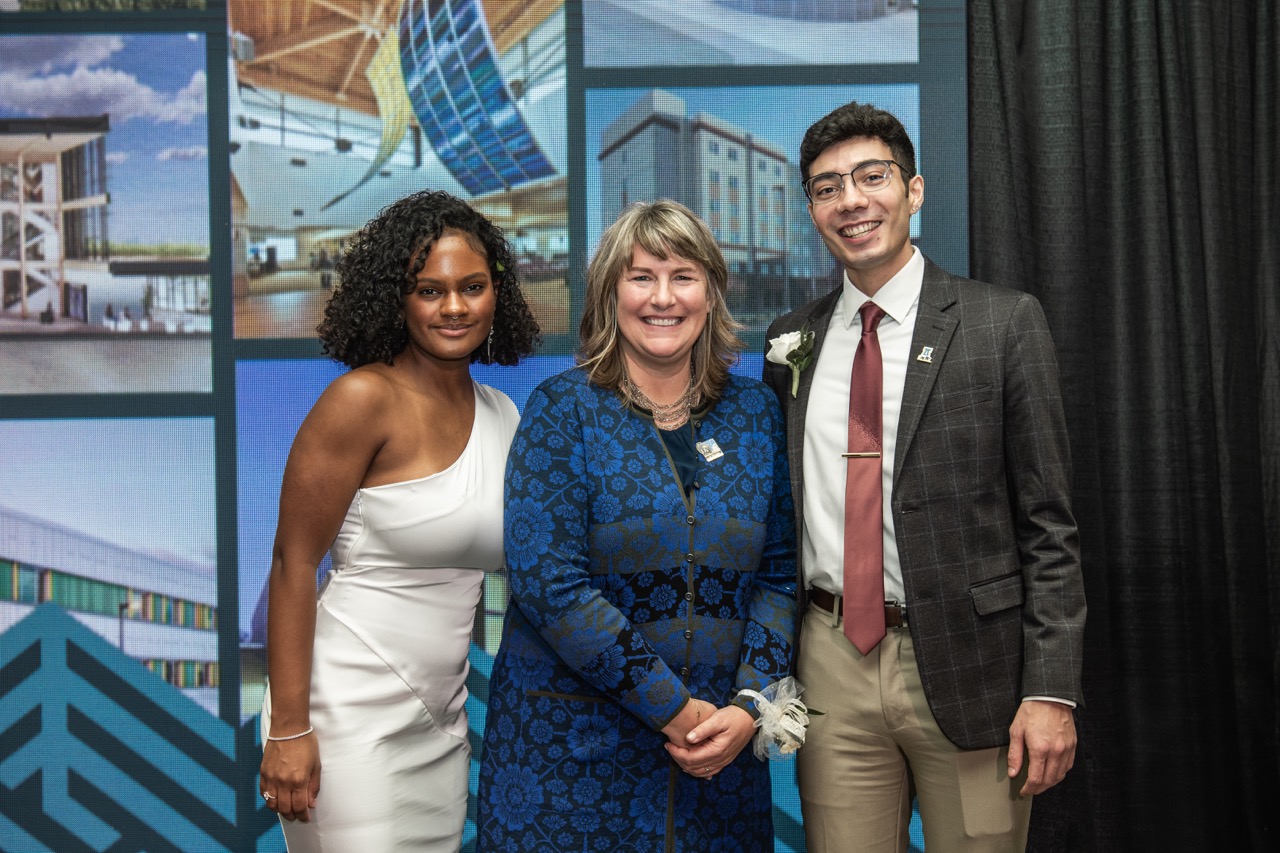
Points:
[[105, 283], [53, 202], [338, 109], [159, 611], [625, 33], [55, 249]]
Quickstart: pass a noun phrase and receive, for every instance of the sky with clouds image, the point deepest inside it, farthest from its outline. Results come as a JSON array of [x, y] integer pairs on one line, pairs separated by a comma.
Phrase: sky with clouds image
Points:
[[153, 88]]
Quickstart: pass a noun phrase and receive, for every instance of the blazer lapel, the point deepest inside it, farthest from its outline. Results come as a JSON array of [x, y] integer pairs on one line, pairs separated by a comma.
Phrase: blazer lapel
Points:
[[934, 329], [818, 319]]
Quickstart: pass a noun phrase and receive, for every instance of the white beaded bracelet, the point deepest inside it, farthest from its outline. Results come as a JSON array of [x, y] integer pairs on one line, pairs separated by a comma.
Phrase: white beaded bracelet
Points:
[[309, 730]]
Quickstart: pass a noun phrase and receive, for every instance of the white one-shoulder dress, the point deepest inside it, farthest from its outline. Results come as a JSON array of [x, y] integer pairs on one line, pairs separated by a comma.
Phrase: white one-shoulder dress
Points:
[[393, 627]]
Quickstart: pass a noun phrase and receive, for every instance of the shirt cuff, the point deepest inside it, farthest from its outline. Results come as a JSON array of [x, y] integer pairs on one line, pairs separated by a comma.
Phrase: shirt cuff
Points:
[[1066, 702]]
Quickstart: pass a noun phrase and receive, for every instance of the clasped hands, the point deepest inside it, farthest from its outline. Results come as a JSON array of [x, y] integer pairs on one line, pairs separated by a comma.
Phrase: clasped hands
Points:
[[703, 739]]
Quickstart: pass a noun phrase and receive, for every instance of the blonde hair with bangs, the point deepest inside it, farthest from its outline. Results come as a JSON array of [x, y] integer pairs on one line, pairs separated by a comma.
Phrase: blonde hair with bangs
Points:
[[664, 229]]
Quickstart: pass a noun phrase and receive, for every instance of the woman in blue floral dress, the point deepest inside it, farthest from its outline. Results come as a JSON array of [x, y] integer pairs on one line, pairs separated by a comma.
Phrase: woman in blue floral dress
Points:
[[652, 564]]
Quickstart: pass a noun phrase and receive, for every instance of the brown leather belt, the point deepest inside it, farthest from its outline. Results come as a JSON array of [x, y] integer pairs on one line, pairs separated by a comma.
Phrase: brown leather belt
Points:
[[895, 615]]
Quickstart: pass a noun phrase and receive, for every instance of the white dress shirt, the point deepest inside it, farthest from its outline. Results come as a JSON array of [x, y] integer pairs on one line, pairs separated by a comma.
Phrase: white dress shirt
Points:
[[826, 430]]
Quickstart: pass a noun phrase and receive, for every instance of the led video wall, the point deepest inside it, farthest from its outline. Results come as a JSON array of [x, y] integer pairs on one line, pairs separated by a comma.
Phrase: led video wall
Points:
[[176, 181]]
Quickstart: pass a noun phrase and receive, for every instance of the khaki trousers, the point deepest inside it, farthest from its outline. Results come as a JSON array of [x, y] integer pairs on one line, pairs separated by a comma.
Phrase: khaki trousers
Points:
[[877, 743]]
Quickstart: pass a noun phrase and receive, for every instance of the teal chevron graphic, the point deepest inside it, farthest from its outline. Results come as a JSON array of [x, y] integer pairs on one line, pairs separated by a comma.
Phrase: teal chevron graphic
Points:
[[98, 753]]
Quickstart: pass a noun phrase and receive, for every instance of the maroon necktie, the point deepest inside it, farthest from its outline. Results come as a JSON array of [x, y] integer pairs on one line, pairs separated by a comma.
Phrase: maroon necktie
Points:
[[863, 513]]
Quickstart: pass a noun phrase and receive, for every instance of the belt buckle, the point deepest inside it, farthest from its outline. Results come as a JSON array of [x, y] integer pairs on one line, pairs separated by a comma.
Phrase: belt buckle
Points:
[[895, 614]]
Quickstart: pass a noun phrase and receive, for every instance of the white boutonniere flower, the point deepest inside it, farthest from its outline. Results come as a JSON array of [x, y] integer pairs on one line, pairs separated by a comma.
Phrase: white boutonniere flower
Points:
[[794, 349], [783, 718]]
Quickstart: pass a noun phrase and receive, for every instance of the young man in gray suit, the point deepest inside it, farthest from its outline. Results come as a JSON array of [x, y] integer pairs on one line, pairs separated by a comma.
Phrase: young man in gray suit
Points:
[[941, 590]]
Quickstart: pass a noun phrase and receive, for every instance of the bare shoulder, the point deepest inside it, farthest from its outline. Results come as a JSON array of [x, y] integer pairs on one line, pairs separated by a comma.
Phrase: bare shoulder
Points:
[[364, 390], [341, 435], [352, 411]]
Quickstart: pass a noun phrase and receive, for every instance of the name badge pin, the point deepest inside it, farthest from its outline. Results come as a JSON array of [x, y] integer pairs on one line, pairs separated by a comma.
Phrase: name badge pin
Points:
[[926, 355], [709, 449]]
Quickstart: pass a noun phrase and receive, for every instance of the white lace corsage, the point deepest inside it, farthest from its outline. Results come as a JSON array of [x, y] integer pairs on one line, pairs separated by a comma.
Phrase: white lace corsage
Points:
[[782, 721], [794, 349]]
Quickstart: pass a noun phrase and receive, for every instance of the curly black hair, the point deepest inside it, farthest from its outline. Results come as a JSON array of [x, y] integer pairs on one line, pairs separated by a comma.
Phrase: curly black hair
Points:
[[364, 318]]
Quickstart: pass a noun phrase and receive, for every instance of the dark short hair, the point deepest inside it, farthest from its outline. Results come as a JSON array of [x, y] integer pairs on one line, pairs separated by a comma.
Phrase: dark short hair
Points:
[[663, 228], [364, 318], [851, 121]]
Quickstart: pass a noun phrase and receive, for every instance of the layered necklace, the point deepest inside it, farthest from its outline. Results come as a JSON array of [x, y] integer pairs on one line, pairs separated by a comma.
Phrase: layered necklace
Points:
[[670, 416]]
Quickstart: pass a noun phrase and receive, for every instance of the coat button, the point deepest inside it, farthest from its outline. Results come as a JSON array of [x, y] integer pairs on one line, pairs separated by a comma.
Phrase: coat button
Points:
[[689, 518], [688, 596], [684, 670], [688, 558], [688, 635]]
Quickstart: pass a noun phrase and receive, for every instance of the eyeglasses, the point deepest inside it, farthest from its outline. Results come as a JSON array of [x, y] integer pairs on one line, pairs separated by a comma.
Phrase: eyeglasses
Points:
[[869, 177]]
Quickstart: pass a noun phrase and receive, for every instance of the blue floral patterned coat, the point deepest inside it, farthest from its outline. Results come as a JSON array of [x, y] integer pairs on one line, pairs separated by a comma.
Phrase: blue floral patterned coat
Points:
[[627, 599]]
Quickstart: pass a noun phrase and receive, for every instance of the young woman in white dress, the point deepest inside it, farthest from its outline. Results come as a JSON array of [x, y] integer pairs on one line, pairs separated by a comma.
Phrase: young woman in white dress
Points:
[[398, 471]]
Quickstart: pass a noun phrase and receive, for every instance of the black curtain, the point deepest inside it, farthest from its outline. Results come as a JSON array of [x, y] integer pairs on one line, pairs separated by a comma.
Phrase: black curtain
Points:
[[1123, 164]]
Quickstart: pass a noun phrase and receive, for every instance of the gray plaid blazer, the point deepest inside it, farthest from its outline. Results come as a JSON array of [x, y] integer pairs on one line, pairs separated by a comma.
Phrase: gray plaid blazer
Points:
[[981, 502]]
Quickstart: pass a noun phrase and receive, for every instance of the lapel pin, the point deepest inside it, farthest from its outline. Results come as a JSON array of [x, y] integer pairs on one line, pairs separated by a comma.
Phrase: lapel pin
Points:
[[709, 449], [926, 355]]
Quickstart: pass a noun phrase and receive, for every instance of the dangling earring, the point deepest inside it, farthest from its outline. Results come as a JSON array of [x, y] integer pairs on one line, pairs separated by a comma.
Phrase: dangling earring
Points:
[[489, 352]]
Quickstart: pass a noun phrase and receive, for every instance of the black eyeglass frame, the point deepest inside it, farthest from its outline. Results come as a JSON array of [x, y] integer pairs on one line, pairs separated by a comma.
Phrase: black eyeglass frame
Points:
[[806, 185]]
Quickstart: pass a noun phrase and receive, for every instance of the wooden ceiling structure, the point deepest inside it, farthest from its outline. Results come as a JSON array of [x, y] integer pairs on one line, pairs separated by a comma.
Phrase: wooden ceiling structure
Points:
[[319, 49]]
